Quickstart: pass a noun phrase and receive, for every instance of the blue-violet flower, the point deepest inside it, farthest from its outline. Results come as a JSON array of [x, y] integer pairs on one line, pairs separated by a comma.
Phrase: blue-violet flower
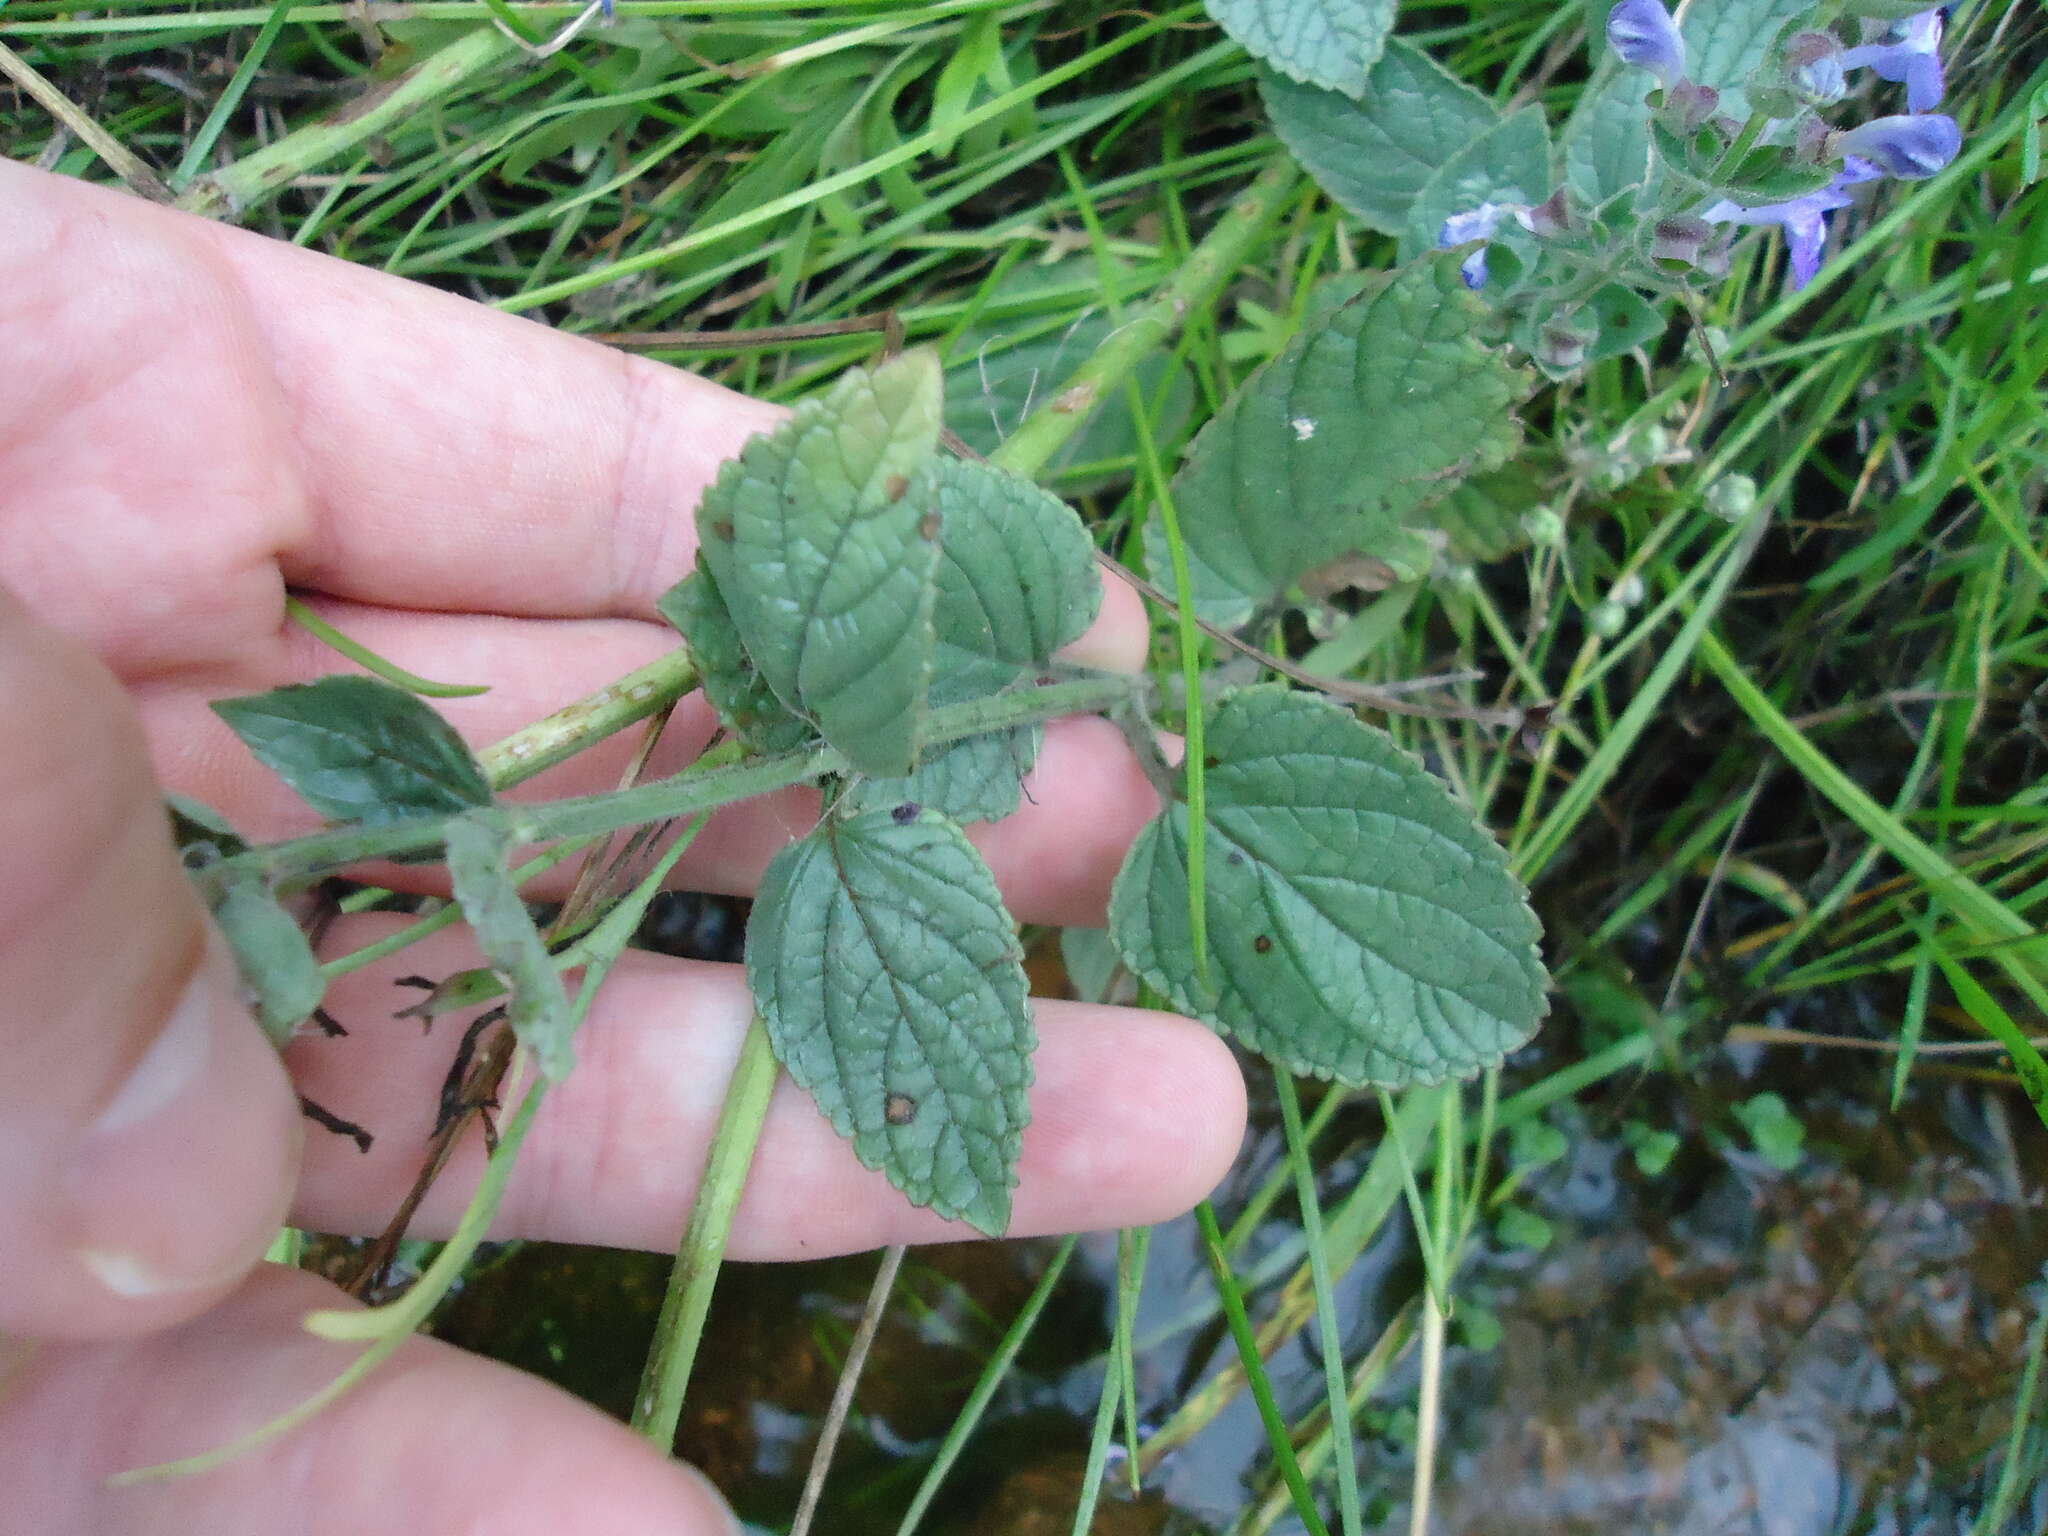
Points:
[[1910, 148], [1908, 53], [1477, 224], [1642, 34], [1804, 219]]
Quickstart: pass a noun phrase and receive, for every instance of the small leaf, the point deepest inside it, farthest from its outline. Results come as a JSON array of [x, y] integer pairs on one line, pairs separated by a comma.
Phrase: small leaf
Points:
[[279, 971], [1016, 581], [1607, 139], [827, 563], [1362, 927], [1373, 155], [892, 985], [978, 778], [696, 608], [1330, 43], [479, 850], [1330, 448], [1509, 163], [356, 749]]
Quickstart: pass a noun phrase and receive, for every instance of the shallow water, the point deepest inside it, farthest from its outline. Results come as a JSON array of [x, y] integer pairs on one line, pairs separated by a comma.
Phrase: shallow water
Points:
[[1724, 1348]]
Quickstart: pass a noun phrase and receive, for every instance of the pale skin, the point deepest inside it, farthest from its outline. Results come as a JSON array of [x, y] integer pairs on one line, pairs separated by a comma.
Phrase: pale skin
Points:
[[194, 420]]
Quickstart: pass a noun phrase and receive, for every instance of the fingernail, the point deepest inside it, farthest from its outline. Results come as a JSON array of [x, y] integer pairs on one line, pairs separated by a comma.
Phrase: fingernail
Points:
[[181, 1181]]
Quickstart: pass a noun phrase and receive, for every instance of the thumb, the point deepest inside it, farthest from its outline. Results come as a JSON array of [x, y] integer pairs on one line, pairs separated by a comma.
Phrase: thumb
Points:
[[148, 1136]]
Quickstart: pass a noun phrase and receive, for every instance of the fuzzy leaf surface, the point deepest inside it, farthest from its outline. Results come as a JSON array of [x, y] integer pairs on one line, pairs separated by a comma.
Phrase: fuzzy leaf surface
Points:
[[1334, 444], [1727, 40], [279, 971], [357, 749], [828, 564], [479, 853], [892, 985], [1373, 155], [1607, 138], [1509, 163], [744, 702], [1330, 43], [1362, 927], [1016, 582]]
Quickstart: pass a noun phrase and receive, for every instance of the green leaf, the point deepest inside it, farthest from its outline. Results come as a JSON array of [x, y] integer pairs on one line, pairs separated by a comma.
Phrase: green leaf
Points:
[[1016, 581], [1373, 155], [1626, 319], [279, 970], [1509, 163], [1016, 578], [744, 702], [1726, 41], [1362, 927], [1330, 43], [828, 564], [1607, 139], [356, 749], [479, 852], [1332, 446], [978, 778], [1482, 517], [892, 985]]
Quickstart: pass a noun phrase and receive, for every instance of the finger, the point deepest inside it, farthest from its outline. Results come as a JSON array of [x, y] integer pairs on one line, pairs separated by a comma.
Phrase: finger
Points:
[[433, 1440], [1086, 799], [514, 468], [1134, 1117], [147, 1134]]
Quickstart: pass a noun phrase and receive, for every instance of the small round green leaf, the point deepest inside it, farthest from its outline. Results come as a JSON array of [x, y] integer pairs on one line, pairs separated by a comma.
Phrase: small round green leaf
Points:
[[744, 702], [892, 985], [1361, 925]]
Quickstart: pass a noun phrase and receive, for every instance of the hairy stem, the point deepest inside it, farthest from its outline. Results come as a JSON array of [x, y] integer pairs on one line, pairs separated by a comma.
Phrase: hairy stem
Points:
[[690, 1283]]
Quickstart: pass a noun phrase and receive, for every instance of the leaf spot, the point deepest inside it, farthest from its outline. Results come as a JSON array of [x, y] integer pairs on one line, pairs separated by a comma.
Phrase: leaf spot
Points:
[[722, 530], [905, 813], [1263, 944], [928, 525], [1304, 428], [901, 1109], [895, 486]]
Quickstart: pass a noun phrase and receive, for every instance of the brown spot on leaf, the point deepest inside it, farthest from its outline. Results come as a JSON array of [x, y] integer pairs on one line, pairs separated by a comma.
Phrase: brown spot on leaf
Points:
[[722, 531], [1262, 944], [928, 525], [900, 1110], [895, 486]]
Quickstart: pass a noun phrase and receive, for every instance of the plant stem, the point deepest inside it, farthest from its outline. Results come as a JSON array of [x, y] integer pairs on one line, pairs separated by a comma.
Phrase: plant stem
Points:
[[690, 1283], [1219, 257], [1255, 1372], [254, 177], [118, 157], [842, 1395], [683, 794]]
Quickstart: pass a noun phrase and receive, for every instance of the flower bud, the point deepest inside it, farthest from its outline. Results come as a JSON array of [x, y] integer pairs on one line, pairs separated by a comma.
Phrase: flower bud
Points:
[[1813, 67], [1607, 619], [1679, 239], [1642, 34], [1542, 527], [1691, 106], [1732, 498], [1910, 148]]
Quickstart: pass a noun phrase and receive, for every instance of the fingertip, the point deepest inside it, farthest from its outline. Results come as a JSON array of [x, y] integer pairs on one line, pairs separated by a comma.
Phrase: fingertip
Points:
[[1120, 638]]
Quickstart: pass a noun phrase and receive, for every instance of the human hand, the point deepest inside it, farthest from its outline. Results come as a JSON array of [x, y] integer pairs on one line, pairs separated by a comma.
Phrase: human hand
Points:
[[194, 420]]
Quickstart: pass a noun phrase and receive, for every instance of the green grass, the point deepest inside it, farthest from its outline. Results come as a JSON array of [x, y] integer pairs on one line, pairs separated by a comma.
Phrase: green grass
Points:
[[1801, 779]]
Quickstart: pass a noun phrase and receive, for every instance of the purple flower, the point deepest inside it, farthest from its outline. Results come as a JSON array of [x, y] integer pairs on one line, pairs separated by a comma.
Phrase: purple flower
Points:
[[1908, 53], [1477, 224], [1642, 34], [1804, 219], [1910, 148]]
